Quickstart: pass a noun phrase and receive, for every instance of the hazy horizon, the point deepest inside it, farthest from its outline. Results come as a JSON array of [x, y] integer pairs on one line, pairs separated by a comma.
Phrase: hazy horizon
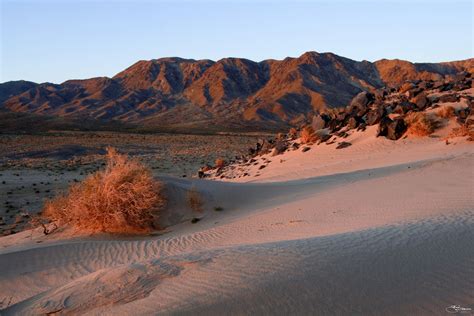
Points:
[[50, 41]]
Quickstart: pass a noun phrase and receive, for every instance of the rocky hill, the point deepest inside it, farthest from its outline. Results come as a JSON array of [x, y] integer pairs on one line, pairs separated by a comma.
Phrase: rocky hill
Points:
[[443, 112], [230, 94]]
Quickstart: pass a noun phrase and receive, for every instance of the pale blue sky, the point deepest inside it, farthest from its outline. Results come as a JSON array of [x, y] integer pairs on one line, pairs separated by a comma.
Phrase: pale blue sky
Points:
[[58, 40]]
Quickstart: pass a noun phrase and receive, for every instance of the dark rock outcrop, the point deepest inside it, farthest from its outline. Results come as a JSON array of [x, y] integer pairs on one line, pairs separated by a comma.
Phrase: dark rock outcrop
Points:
[[343, 145], [396, 129], [421, 101], [374, 116]]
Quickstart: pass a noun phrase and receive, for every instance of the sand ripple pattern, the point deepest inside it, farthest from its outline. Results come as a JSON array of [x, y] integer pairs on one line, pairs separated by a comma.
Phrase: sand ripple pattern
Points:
[[274, 258], [418, 268]]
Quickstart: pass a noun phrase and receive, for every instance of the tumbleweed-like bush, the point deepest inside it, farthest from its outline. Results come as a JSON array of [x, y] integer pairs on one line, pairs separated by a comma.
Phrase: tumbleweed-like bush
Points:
[[446, 112], [220, 163], [123, 198], [420, 124], [308, 135], [462, 131]]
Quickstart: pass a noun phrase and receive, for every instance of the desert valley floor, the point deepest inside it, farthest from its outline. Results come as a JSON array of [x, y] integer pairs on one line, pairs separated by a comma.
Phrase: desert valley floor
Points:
[[380, 227]]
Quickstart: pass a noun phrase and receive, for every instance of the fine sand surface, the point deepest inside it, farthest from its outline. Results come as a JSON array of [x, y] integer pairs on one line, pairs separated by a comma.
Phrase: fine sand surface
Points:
[[378, 228]]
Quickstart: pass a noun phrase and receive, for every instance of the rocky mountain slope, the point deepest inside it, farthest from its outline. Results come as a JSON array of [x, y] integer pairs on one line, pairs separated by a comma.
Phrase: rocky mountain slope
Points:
[[231, 93], [442, 112]]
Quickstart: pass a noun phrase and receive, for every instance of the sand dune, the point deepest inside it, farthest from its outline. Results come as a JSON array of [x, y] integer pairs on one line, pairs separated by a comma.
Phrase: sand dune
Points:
[[337, 233]]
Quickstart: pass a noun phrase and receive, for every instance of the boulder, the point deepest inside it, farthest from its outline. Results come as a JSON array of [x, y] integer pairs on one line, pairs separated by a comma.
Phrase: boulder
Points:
[[380, 94], [374, 116], [252, 151], [362, 127], [318, 123], [280, 147], [421, 101], [361, 101], [404, 107], [266, 148], [425, 85], [352, 123], [446, 87], [407, 86], [413, 92], [334, 125], [325, 137], [396, 129], [433, 99], [460, 76], [462, 85], [383, 126], [438, 84], [325, 117], [341, 116], [448, 98], [343, 145]]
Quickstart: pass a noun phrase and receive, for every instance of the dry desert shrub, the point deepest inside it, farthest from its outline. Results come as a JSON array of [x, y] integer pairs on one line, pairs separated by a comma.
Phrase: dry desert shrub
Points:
[[446, 112], [220, 163], [195, 200], [463, 130], [123, 198], [420, 124], [308, 135]]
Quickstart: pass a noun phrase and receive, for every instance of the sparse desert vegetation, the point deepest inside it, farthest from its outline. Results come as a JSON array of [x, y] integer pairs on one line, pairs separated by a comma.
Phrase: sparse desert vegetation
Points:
[[36, 167], [420, 124], [446, 112], [220, 163], [308, 135], [195, 200], [462, 131], [123, 198]]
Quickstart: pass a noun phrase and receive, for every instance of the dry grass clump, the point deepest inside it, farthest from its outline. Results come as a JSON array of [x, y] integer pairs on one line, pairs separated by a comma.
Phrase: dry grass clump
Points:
[[308, 135], [220, 162], [420, 124], [446, 112], [463, 130], [195, 200], [123, 198]]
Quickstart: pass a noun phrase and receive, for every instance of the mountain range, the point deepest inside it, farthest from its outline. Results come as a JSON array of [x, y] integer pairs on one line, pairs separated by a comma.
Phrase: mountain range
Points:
[[229, 94]]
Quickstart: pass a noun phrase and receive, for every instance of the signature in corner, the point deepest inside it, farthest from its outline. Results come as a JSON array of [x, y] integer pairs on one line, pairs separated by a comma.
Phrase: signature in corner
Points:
[[457, 309]]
